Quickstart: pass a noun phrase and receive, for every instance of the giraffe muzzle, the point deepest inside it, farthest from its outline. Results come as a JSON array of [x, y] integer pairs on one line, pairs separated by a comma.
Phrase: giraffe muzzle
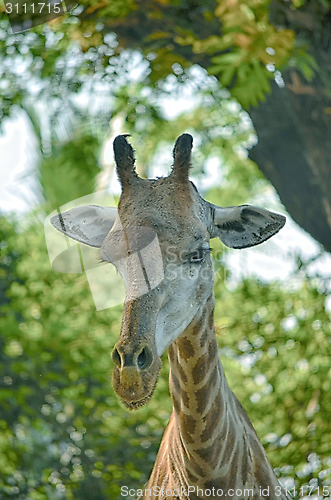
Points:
[[135, 374]]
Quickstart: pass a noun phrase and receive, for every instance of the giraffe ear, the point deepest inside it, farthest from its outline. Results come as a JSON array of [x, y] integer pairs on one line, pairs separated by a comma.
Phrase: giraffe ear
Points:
[[245, 226], [88, 224]]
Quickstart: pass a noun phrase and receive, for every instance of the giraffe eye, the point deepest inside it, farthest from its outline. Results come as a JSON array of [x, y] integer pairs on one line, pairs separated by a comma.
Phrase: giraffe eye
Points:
[[198, 256]]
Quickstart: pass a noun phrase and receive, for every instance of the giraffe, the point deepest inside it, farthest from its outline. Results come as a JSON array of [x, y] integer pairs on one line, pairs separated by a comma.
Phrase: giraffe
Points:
[[210, 448]]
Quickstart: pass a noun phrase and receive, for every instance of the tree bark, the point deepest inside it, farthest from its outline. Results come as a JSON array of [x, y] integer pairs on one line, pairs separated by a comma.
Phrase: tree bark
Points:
[[294, 128], [294, 153]]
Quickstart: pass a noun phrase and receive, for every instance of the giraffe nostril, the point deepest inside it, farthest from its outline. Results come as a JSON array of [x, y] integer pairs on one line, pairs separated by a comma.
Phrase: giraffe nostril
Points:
[[116, 357], [141, 361], [130, 359], [144, 359]]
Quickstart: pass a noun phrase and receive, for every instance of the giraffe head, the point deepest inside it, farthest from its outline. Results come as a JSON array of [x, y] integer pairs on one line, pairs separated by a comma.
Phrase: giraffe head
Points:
[[159, 241]]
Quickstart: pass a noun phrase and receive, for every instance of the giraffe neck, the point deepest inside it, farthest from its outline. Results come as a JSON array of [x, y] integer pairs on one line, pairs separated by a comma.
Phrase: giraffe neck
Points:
[[219, 446]]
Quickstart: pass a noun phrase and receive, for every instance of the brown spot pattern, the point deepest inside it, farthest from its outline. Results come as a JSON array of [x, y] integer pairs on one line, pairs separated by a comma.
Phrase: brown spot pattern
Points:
[[175, 383], [188, 425], [211, 421], [244, 463], [196, 467], [198, 326], [200, 369], [211, 320], [185, 398], [185, 347], [176, 403], [171, 354], [204, 338], [212, 350], [182, 374], [191, 477], [260, 470], [230, 443], [210, 453], [203, 394]]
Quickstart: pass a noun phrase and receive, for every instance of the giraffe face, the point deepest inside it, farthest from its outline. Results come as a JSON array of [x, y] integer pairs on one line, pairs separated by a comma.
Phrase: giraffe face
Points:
[[152, 320]]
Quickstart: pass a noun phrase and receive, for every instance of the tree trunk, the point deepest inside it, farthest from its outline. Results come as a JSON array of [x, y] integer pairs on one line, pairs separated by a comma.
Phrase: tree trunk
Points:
[[294, 153], [294, 128]]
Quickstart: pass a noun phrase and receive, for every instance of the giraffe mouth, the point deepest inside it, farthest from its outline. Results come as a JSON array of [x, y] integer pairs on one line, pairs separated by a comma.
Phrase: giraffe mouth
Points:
[[134, 405], [135, 386]]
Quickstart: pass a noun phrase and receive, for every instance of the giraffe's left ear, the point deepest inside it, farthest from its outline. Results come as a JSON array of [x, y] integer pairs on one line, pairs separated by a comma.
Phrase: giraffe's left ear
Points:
[[88, 224], [244, 226]]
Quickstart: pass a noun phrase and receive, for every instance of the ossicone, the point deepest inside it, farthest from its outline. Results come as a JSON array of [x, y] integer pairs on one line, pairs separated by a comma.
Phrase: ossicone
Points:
[[124, 158], [182, 156]]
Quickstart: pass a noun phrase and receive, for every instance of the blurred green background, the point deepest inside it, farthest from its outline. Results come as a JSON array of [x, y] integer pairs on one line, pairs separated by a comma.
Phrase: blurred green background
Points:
[[63, 432]]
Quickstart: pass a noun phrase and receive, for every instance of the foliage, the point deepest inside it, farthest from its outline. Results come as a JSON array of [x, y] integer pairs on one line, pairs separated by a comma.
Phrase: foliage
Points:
[[249, 45], [76, 162], [233, 40]]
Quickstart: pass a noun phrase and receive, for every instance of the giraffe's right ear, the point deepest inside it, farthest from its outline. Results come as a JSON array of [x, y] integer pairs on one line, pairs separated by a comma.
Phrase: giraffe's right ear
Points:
[[244, 226], [88, 224]]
